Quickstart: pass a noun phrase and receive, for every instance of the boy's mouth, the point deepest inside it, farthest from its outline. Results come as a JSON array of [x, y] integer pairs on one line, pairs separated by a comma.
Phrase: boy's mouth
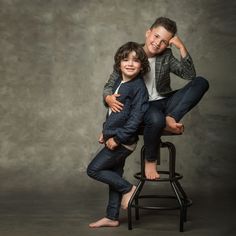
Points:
[[155, 46], [130, 69]]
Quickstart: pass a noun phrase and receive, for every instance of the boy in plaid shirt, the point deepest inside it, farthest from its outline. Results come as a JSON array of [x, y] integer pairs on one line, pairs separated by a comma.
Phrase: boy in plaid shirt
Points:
[[166, 107]]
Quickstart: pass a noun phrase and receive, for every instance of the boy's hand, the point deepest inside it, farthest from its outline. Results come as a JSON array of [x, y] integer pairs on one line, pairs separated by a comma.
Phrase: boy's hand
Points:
[[101, 140], [111, 144], [115, 105], [176, 41]]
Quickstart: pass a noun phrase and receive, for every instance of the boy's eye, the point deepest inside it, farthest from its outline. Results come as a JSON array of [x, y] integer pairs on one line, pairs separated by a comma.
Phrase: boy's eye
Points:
[[165, 42]]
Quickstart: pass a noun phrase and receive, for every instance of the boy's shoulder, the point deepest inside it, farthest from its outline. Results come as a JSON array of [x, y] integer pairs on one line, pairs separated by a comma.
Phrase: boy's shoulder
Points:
[[165, 56], [139, 80], [166, 52], [138, 84]]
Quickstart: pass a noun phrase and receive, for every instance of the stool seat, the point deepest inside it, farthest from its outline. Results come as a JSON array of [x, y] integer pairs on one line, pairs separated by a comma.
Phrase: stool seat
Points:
[[171, 176], [164, 132]]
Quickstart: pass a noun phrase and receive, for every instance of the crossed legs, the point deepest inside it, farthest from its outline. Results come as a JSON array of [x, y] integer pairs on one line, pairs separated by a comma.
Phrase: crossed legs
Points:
[[165, 114], [107, 167]]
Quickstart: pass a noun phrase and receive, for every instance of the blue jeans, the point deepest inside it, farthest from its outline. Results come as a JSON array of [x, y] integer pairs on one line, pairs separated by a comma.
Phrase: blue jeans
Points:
[[176, 105], [108, 167]]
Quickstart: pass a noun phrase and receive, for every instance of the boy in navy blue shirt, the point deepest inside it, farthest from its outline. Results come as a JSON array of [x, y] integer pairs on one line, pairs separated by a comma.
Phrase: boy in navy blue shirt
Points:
[[120, 130]]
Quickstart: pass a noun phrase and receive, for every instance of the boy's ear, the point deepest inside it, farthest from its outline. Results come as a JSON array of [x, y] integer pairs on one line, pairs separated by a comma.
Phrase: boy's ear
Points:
[[147, 33]]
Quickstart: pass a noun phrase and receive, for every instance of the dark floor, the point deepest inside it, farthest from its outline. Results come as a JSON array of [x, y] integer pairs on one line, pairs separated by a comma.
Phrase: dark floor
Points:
[[29, 214]]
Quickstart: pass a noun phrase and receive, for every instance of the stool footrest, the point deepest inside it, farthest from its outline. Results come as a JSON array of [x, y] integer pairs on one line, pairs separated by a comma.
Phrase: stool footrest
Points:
[[175, 177], [187, 202]]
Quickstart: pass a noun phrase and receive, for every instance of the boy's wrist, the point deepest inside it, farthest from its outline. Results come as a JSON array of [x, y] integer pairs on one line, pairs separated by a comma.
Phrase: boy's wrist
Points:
[[183, 52], [107, 97], [116, 140]]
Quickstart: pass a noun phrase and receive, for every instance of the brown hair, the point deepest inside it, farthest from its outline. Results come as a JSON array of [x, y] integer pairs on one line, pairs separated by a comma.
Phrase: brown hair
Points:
[[167, 23], [124, 51]]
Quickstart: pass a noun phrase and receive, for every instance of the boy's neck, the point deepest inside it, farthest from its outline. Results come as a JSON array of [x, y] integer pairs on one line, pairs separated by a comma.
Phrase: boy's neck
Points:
[[148, 54]]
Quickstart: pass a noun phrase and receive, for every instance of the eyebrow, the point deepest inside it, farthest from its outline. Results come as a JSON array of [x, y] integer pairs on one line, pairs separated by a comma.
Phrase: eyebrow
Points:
[[165, 41]]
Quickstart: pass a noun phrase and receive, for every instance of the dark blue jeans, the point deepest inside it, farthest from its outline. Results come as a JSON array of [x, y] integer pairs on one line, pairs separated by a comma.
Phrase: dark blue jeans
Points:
[[176, 105], [108, 167]]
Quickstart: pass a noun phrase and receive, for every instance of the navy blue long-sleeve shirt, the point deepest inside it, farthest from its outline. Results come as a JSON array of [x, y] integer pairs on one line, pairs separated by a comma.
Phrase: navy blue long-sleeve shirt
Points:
[[123, 125]]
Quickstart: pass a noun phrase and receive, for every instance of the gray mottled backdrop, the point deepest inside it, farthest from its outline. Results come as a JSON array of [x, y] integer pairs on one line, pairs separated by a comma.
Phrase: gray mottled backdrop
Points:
[[56, 55]]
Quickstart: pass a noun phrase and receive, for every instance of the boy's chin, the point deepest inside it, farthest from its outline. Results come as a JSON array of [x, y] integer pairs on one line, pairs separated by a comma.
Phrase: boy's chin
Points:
[[155, 52]]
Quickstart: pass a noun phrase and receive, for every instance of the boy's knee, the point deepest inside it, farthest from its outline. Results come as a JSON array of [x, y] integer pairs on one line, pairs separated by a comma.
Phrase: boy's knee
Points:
[[160, 123], [203, 82], [90, 171], [155, 121]]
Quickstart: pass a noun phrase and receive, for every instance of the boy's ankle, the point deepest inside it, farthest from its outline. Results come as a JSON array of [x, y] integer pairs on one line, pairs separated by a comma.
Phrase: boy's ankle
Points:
[[151, 170]]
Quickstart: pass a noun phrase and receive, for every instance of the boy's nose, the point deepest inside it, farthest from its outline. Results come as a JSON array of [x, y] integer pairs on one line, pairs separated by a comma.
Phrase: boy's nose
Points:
[[158, 41]]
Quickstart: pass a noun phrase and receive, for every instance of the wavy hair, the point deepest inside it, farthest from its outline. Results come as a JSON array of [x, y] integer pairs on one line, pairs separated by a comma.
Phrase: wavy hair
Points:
[[124, 51]]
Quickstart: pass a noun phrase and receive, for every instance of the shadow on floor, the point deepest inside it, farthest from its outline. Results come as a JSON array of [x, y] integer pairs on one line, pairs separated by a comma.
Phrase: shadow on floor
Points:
[[29, 214]]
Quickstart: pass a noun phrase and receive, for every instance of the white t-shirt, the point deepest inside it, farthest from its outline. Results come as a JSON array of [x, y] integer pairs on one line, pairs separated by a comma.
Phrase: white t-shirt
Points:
[[150, 81], [110, 111]]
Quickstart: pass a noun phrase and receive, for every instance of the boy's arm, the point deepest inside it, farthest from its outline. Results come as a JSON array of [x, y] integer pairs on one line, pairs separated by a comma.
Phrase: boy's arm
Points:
[[110, 83], [138, 108], [109, 99], [185, 67]]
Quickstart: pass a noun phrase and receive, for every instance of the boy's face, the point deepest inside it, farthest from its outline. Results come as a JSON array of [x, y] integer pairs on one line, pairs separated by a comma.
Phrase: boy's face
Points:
[[157, 40], [130, 66]]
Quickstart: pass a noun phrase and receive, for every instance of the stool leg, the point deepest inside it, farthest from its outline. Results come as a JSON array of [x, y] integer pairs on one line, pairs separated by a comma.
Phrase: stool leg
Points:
[[185, 199], [172, 158], [129, 218], [142, 162], [139, 189], [134, 198], [181, 206], [175, 186]]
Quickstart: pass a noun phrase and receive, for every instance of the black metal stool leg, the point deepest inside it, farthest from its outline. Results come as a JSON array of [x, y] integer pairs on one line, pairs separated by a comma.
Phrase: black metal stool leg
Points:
[[134, 198], [181, 206], [172, 158], [129, 218], [174, 183], [136, 209], [185, 199]]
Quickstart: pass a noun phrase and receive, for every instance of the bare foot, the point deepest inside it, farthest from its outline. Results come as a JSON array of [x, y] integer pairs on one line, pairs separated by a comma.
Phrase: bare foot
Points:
[[104, 222], [151, 170], [173, 127], [126, 198]]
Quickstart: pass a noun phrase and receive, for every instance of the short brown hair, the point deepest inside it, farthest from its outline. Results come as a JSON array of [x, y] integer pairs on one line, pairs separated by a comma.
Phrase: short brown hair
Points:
[[167, 23], [124, 51]]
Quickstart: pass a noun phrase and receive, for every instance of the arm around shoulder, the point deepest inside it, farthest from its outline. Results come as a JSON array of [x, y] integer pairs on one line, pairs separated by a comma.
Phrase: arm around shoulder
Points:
[[107, 90]]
